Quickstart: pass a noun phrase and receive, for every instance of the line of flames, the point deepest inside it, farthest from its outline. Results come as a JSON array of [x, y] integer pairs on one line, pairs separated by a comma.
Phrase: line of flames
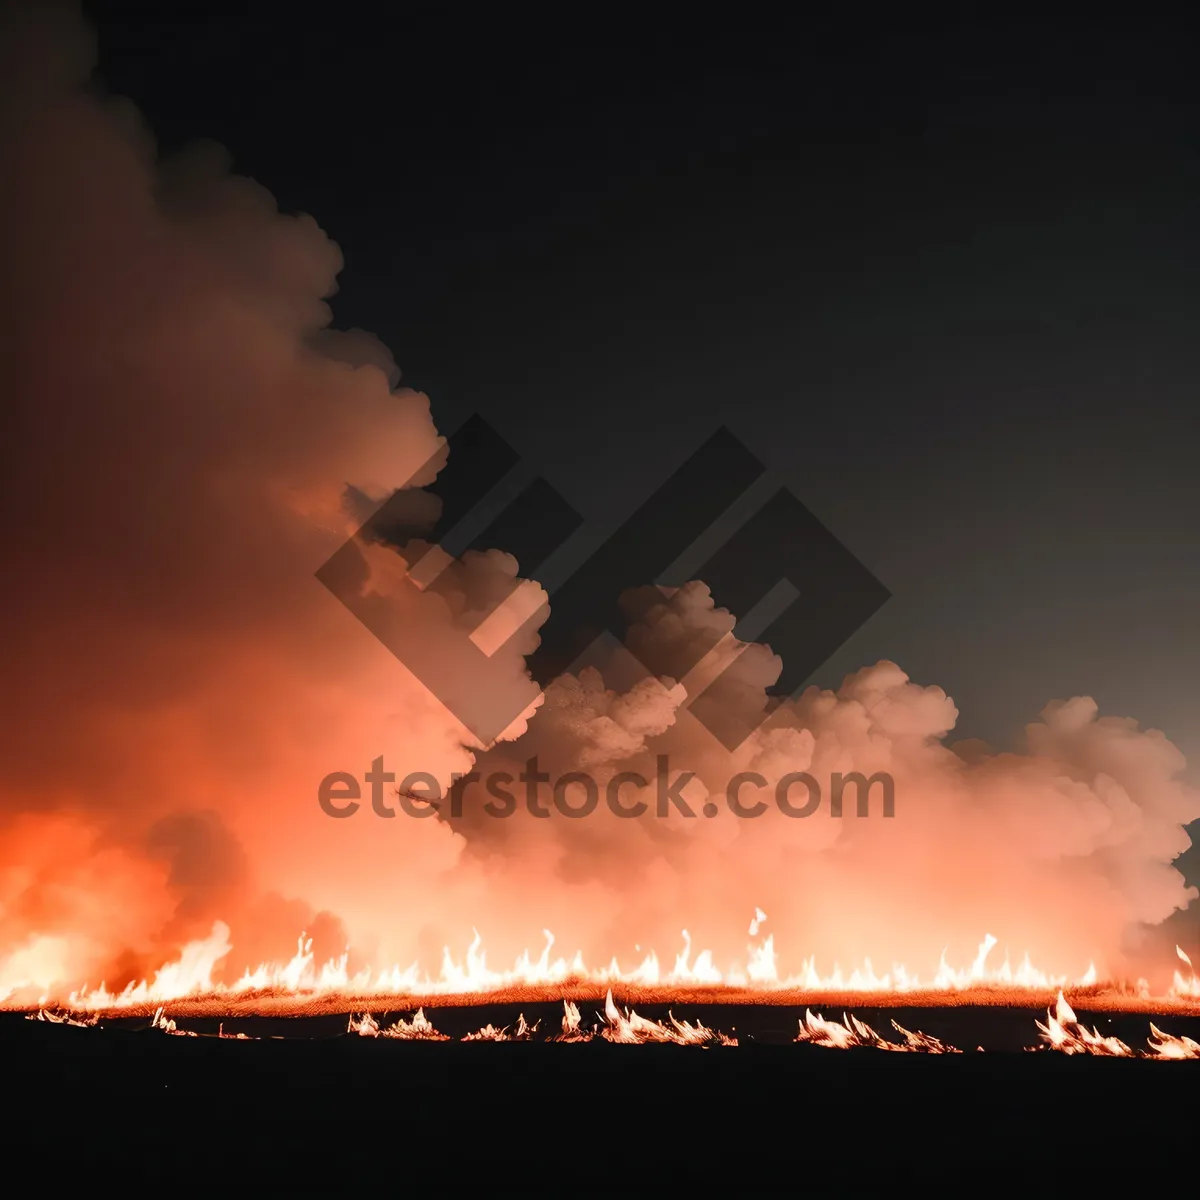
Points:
[[1062, 1032], [623, 1027], [191, 976]]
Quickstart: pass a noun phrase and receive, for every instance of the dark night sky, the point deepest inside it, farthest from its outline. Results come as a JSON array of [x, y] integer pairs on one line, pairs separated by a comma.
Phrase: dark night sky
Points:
[[941, 279]]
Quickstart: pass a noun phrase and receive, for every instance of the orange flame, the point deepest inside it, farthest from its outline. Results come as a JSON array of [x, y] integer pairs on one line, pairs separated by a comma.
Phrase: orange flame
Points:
[[168, 1026], [629, 1029], [55, 1018], [1186, 986], [572, 1026], [489, 1033], [1062, 1032], [192, 976], [1065, 1033], [1163, 1045], [420, 1028], [852, 1033]]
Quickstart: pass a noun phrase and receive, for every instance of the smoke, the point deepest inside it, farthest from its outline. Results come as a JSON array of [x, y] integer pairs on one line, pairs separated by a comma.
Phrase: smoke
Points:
[[1062, 850], [183, 427], [189, 441]]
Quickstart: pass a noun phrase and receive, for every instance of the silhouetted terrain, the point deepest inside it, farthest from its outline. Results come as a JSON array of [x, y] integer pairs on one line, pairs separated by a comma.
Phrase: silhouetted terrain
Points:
[[321, 1110]]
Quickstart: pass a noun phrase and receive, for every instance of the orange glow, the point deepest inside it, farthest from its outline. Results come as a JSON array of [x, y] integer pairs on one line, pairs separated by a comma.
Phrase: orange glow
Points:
[[300, 984], [197, 440]]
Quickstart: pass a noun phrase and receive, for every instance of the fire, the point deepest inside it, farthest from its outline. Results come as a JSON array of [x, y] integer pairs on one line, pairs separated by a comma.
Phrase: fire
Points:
[[625, 1028], [1062, 1032], [167, 1025], [629, 1029], [852, 1033], [489, 1033], [1186, 986], [419, 1029], [45, 1014], [193, 975], [1163, 1045], [572, 1026], [818, 1031], [921, 1042], [1065, 1033]]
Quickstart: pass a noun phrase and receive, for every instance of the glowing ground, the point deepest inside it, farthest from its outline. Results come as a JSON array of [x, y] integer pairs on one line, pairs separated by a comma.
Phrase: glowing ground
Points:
[[284, 1004]]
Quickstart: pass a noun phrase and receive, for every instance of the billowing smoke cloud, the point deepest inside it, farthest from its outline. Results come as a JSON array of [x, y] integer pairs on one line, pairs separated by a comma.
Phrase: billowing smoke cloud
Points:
[[189, 441], [182, 429], [1062, 850]]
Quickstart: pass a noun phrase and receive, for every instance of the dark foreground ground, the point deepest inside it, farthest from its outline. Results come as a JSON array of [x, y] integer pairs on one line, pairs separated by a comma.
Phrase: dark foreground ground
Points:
[[314, 1110]]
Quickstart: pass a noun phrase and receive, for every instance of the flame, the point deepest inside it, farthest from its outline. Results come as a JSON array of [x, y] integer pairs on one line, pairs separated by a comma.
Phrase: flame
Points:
[[1189, 987], [572, 1026], [852, 1033], [420, 1028], [489, 1033], [1163, 1045], [922, 1043], [168, 1026], [1064, 1032], [55, 1018], [625, 1028], [195, 975], [630, 1029], [820, 1032]]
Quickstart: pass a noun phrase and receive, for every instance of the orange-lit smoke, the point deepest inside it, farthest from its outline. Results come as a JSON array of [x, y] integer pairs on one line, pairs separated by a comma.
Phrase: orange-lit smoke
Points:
[[182, 427], [1061, 850], [189, 441]]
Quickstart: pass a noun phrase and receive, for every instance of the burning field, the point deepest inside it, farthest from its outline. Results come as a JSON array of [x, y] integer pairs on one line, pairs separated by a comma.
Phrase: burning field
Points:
[[1061, 1030], [194, 716], [299, 990], [187, 688], [538, 1091]]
